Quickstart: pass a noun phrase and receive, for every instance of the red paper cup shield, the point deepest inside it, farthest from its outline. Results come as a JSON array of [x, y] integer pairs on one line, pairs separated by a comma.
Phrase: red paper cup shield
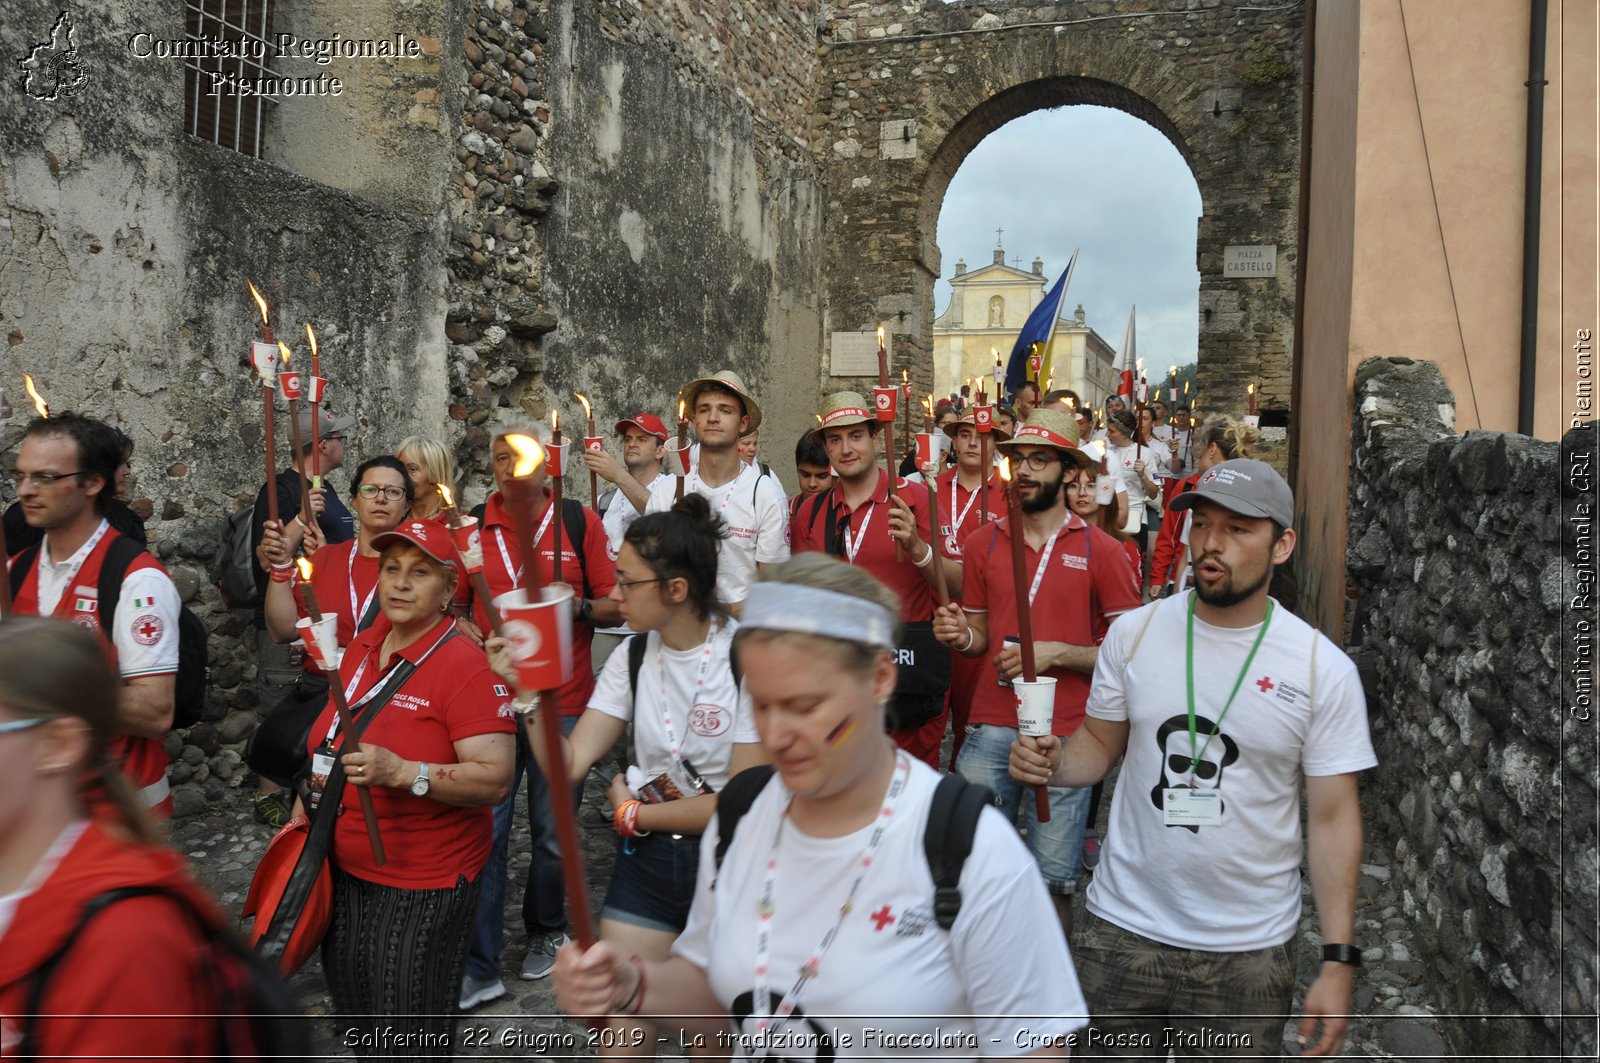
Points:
[[314, 387], [983, 417], [927, 449], [594, 443], [540, 636], [1035, 363], [555, 462], [678, 460], [886, 400], [264, 360], [289, 384], [468, 546]]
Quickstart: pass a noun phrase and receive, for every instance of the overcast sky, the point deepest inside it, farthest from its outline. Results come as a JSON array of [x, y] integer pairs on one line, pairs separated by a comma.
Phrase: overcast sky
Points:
[[1101, 181]]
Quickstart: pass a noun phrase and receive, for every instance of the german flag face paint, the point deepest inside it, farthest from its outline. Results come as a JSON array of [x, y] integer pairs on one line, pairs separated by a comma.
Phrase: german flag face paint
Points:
[[840, 734]]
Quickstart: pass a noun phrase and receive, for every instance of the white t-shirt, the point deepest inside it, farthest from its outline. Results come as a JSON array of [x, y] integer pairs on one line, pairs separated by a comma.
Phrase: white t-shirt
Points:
[[1000, 982], [757, 515], [1300, 711], [620, 512], [707, 723]]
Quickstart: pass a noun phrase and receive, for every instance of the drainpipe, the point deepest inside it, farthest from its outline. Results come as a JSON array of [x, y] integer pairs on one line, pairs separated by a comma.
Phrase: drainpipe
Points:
[[1532, 187]]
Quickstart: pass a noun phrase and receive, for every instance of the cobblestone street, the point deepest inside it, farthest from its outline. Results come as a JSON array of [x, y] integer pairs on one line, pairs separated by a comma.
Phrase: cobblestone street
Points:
[[1394, 1014]]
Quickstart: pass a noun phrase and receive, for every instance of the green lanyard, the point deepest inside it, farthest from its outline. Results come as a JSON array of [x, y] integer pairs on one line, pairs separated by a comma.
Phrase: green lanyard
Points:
[[1194, 756]]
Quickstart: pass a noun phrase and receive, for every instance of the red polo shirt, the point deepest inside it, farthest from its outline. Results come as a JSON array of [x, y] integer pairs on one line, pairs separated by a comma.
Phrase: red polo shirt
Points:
[[501, 562], [451, 696], [960, 513], [1086, 582], [346, 585], [875, 552]]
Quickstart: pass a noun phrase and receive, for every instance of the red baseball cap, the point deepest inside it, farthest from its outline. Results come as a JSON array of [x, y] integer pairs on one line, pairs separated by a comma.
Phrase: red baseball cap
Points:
[[429, 536], [645, 422]]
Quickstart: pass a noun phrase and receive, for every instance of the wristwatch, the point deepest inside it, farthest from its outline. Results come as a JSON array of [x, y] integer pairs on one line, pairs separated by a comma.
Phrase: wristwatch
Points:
[[1341, 954], [419, 785], [585, 609]]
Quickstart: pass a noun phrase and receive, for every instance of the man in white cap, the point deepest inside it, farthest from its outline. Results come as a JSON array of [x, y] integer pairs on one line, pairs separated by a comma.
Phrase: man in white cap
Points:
[[1193, 909], [752, 502]]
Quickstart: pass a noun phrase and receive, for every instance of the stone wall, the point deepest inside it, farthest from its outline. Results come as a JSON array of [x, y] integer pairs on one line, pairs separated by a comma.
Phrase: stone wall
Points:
[[1461, 569]]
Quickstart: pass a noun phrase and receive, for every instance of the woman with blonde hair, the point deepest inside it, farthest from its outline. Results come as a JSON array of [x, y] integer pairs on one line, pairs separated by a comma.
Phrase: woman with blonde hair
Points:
[[827, 875], [1218, 440], [429, 464], [106, 944]]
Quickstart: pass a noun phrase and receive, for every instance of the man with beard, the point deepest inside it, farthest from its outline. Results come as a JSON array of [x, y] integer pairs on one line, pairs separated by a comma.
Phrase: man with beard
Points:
[[1194, 907], [1078, 579]]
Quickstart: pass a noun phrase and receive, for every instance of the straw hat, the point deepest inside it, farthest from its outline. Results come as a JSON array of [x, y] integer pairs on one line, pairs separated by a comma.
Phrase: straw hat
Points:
[[841, 409], [726, 378], [996, 433], [1051, 428]]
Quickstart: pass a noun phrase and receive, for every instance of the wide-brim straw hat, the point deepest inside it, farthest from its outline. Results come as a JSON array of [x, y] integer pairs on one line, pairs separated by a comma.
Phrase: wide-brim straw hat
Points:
[[996, 433], [842, 409], [726, 378], [1051, 428]]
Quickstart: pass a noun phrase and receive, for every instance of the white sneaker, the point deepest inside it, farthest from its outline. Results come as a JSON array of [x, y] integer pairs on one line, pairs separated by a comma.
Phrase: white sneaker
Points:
[[478, 991]]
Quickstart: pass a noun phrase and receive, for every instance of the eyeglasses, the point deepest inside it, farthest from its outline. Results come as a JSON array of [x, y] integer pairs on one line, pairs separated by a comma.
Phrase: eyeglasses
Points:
[[43, 479], [623, 585], [23, 725], [1038, 460], [334, 438], [390, 494]]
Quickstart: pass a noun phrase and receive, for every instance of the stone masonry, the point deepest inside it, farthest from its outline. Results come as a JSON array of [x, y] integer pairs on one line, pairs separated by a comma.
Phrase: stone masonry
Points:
[[1487, 787]]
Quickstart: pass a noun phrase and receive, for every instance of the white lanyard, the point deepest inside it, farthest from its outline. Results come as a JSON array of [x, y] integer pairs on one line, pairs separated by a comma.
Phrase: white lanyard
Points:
[[764, 1014], [73, 568], [962, 519], [357, 612], [700, 487], [673, 745], [538, 537], [1044, 559], [853, 547], [355, 681]]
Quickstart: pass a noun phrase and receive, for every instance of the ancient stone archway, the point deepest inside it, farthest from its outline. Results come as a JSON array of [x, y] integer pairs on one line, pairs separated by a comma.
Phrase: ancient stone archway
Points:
[[913, 91]]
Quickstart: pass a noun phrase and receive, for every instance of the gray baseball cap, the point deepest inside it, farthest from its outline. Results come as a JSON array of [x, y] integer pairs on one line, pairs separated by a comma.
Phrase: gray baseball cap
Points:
[[1246, 486]]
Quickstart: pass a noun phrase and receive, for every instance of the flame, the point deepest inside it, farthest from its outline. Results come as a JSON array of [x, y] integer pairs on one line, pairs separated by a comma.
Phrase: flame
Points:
[[1186, 387], [1072, 403], [555, 421], [38, 401], [880, 337], [286, 353], [261, 304], [305, 568], [588, 411], [905, 376], [530, 455], [1005, 470], [680, 409], [449, 499], [929, 401], [312, 336], [1172, 370], [818, 416], [1250, 389]]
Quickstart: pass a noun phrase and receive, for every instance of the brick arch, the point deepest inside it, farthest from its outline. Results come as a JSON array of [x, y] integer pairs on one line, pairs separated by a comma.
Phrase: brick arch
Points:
[[908, 91]]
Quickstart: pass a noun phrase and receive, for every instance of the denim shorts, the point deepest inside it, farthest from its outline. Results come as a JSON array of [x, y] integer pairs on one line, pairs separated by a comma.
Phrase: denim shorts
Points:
[[652, 884], [1056, 845]]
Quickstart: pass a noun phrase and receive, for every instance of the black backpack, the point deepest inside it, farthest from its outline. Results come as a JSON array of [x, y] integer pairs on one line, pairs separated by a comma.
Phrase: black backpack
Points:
[[573, 520], [257, 1017], [947, 841], [234, 570], [194, 671], [636, 648]]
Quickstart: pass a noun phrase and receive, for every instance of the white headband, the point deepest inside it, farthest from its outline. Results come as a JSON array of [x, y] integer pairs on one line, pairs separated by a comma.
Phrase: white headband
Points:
[[813, 611]]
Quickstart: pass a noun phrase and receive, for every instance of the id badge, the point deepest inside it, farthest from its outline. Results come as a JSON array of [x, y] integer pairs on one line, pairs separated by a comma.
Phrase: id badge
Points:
[[321, 767], [1002, 681], [1183, 807]]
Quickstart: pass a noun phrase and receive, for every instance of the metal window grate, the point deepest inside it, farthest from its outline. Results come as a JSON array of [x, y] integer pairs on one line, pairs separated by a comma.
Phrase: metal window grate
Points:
[[228, 119]]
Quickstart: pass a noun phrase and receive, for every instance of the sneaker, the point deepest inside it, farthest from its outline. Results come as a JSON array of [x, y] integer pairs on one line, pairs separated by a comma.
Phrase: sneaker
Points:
[[476, 991], [1091, 850], [541, 958], [274, 809]]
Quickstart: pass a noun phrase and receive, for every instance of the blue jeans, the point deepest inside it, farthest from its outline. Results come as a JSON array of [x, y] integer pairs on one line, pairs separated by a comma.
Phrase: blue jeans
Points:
[[543, 896], [1057, 845]]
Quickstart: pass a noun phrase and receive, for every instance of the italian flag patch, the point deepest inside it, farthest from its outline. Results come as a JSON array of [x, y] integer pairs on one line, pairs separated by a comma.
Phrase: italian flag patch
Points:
[[85, 605], [143, 603]]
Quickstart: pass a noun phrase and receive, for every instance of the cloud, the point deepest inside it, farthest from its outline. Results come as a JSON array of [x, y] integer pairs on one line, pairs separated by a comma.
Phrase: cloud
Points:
[[1098, 180]]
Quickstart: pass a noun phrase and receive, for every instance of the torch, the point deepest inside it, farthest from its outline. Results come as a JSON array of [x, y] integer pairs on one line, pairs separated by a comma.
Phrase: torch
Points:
[[1030, 671], [592, 441], [330, 667], [680, 459], [314, 388], [983, 420], [264, 359], [529, 456], [884, 398], [557, 472], [1250, 393], [5, 584], [469, 551], [905, 397], [927, 454], [289, 381]]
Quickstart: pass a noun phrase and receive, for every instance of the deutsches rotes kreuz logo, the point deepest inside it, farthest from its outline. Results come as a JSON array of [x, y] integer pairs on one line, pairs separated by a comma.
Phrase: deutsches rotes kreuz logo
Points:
[[53, 69]]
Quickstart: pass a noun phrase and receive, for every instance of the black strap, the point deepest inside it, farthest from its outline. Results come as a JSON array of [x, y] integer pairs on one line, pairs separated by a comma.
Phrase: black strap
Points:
[[20, 566], [573, 516], [830, 534], [369, 616], [734, 801], [120, 553], [636, 650], [947, 841], [298, 889]]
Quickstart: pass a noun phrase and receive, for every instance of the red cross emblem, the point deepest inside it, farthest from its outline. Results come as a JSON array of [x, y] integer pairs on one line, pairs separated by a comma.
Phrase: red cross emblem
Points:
[[881, 917], [146, 629], [1265, 683]]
